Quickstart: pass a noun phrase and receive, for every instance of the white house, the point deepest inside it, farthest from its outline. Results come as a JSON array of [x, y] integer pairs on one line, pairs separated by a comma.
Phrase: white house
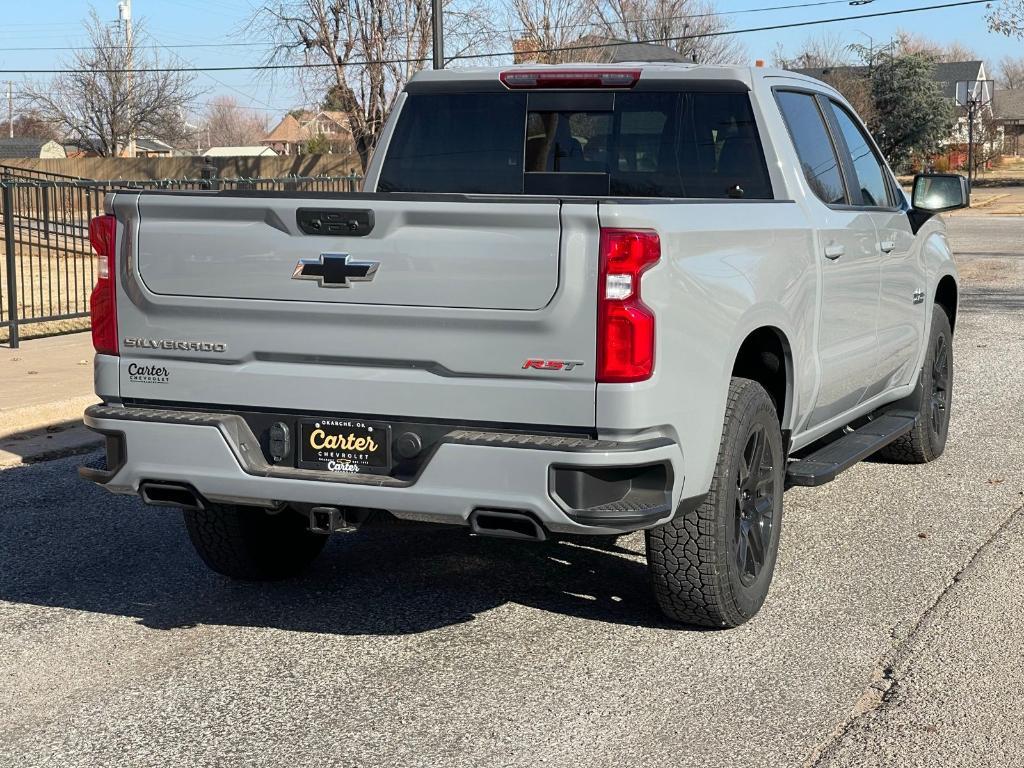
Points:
[[253, 151]]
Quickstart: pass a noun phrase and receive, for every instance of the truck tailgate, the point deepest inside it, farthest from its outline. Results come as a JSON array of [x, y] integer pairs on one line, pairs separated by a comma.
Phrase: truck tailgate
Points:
[[431, 313]]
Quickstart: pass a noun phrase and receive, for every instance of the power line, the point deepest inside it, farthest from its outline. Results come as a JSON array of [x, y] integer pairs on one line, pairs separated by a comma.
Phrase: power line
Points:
[[474, 56], [707, 14], [216, 79]]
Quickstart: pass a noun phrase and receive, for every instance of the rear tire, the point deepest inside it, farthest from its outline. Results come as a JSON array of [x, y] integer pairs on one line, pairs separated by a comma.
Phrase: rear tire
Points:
[[252, 544], [927, 440], [712, 566]]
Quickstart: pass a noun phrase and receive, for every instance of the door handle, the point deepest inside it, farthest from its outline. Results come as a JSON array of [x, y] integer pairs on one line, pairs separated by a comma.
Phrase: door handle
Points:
[[834, 251], [887, 246]]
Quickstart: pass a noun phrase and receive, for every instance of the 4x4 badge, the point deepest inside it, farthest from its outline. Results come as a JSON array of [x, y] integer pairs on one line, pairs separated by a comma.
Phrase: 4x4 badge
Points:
[[335, 270]]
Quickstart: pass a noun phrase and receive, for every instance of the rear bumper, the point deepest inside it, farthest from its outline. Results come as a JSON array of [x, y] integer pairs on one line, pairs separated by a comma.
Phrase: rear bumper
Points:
[[568, 484]]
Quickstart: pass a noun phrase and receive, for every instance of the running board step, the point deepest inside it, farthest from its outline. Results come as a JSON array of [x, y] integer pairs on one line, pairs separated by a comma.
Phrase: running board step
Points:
[[824, 464]]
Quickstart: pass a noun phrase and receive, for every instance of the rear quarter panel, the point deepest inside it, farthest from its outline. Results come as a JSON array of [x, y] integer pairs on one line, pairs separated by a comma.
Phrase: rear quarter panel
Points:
[[727, 268]]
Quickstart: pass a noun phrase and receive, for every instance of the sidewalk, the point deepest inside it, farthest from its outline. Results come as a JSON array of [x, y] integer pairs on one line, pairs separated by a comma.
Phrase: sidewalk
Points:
[[44, 387]]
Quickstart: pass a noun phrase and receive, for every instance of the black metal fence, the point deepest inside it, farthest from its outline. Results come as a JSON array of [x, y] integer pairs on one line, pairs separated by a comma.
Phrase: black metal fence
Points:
[[47, 265]]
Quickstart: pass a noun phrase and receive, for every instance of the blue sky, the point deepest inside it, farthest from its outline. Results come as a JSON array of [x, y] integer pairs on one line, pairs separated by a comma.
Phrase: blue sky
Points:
[[177, 22]]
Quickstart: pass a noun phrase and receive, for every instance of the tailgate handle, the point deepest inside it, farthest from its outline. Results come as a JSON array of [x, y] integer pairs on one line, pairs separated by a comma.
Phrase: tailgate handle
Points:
[[335, 222]]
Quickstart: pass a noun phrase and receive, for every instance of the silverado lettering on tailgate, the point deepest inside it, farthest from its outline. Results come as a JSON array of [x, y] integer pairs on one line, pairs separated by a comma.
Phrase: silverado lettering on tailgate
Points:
[[186, 346]]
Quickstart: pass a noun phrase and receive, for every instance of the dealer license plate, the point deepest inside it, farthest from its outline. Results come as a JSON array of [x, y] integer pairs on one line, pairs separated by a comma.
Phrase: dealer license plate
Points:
[[345, 445]]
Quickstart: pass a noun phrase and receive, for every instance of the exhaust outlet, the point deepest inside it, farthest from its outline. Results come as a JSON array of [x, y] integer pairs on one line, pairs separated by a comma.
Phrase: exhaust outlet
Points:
[[506, 525], [170, 495]]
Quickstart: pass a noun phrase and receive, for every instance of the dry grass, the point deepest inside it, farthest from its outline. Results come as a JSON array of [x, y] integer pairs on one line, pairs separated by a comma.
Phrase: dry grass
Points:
[[54, 276], [52, 328]]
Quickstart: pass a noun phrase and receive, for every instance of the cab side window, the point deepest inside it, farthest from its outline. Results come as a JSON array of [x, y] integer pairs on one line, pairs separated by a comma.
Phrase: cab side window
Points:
[[813, 146], [871, 173]]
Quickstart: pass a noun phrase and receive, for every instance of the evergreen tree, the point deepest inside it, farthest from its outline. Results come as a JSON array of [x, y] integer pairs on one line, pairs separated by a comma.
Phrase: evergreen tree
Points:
[[911, 114]]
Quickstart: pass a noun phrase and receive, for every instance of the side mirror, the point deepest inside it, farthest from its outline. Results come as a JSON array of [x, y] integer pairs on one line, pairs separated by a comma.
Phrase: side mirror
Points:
[[935, 193]]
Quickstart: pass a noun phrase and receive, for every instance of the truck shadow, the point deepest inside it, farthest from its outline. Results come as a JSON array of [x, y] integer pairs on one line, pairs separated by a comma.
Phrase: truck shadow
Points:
[[62, 438], [65, 543]]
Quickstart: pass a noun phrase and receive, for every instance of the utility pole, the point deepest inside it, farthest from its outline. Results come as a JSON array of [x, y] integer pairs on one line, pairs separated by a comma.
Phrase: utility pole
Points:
[[10, 109], [437, 7], [124, 12]]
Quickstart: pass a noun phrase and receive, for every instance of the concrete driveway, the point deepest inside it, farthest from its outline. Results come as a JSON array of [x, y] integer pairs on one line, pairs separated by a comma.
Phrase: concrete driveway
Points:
[[891, 636]]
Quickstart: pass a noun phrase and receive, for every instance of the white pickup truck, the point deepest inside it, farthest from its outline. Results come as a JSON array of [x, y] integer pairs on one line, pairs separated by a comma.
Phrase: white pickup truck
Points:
[[570, 300]]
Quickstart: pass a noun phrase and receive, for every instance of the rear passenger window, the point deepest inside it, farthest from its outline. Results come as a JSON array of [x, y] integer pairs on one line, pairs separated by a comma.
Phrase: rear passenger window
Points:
[[869, 169], [813, 146]]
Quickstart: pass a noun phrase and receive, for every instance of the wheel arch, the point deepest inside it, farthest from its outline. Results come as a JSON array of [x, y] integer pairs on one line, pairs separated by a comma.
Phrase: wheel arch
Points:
[[947, 297], [766, 356]]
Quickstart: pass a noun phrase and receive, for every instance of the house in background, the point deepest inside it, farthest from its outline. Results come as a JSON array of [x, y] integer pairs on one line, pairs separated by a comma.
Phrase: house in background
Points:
[[153, 148], [144, 147], [291, 136], [252, 151], [963, 81], [27, 147], [1008, 106]]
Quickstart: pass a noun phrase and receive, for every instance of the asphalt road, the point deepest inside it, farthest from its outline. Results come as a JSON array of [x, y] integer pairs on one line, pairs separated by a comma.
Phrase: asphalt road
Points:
[[891, 635]]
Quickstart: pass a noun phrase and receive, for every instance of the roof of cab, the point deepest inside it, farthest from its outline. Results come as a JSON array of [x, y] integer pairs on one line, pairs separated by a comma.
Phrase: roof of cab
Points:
[[650, 71]]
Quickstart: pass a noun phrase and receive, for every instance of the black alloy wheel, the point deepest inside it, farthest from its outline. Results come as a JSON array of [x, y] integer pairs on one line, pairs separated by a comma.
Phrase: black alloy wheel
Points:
[[712, 564], [755, 505], [940, 385], [933, 399]]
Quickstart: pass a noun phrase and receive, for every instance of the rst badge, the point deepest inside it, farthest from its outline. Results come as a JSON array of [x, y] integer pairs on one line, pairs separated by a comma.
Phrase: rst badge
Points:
[[552, 365]]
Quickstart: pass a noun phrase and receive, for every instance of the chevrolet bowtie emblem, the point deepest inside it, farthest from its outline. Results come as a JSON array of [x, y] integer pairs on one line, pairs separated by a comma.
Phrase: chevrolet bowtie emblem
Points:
[[335, 270]]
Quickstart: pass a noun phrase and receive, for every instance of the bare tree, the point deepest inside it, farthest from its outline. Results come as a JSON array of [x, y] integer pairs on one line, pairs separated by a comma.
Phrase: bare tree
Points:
[[364, 51], [29, 125], [1011, 72], [98, 102], [911, 43], [856, 87], [820, 51], [228, 123], [546, 31], [689, 26], [845, 66]]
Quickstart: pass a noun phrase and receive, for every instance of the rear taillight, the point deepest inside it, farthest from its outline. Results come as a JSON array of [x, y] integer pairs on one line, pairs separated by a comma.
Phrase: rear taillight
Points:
[[569, 78], [625, 325], [102, 302]]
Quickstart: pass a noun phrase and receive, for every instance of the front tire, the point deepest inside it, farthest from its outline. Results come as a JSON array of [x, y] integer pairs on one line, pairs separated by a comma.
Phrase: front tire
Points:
[[927, 440], [712, 566], [252, 544]]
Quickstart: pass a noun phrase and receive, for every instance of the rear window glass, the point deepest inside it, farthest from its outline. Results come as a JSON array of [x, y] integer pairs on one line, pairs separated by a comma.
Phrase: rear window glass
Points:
[[691, 145], [461, 142]]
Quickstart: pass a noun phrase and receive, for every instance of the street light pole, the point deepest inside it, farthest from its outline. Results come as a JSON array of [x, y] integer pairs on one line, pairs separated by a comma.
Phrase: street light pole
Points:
[[970, 141], [871, 49], [438, 14]]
